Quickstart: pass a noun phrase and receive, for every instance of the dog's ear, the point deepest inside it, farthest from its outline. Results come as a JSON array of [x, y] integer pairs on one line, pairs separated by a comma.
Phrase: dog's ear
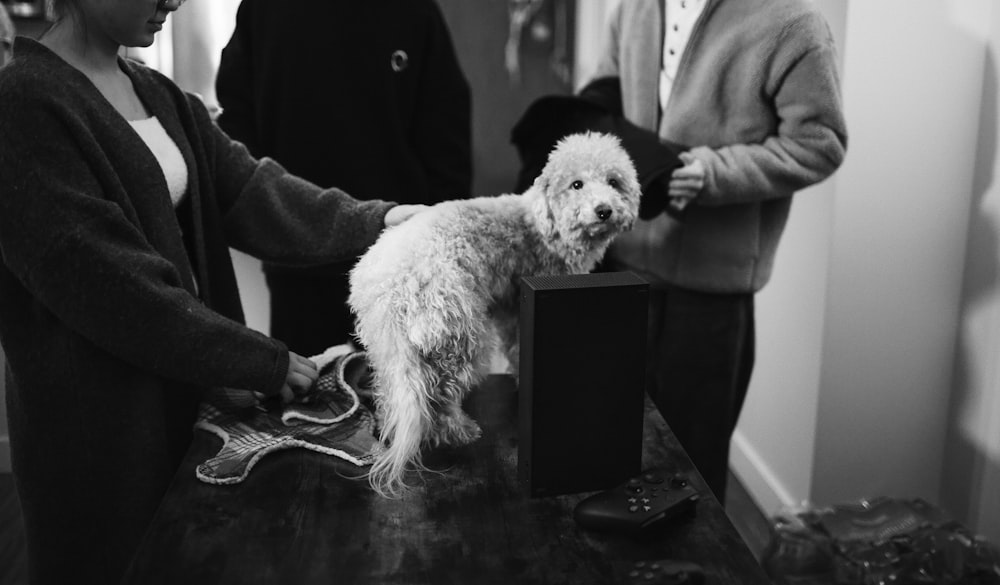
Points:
[[541, 208], [634, 187], [552, 175], [542, 182]]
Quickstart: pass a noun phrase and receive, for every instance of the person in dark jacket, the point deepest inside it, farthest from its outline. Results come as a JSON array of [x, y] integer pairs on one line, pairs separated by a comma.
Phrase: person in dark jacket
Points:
[[119, 201], [368, 96]]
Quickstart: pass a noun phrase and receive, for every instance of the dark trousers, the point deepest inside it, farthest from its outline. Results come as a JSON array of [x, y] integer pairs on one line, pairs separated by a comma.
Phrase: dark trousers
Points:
[[309, 311], [700, 358]]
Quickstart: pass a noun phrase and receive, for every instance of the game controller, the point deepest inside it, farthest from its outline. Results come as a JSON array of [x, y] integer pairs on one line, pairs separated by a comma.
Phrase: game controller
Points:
[[664, 572], [638, 505]]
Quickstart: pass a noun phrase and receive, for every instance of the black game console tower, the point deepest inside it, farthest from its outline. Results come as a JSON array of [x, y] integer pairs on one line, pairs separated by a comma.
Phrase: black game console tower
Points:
[[582, 377]]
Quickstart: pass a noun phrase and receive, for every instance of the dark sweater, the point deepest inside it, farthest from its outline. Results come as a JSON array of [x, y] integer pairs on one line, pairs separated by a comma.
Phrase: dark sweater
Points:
[[108, 347], [321, 95]]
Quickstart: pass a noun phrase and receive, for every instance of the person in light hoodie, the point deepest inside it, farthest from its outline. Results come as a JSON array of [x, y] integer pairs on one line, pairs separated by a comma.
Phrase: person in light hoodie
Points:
[[751, 89]]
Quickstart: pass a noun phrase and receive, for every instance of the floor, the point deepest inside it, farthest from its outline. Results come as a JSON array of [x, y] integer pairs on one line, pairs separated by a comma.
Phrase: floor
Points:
[[746, 517]]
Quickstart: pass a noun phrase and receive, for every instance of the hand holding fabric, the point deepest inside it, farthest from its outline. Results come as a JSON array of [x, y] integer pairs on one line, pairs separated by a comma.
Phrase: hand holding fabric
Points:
[[302, 374]]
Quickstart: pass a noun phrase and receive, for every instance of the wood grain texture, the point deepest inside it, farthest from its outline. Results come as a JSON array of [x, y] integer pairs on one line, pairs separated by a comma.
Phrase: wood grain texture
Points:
[[301, 518]]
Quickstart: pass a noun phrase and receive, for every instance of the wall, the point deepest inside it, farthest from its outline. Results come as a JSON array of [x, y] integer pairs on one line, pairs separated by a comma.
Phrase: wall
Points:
[[590, 18], [901, 217], [858, 329], [971, 479], [200, 31], [253, 291]]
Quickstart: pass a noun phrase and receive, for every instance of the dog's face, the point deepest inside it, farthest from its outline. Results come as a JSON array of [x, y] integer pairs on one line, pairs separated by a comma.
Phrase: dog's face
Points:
[[589, 190]]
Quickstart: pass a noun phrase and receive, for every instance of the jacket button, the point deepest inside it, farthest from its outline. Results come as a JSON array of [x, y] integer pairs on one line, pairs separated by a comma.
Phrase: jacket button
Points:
[[399, 60]]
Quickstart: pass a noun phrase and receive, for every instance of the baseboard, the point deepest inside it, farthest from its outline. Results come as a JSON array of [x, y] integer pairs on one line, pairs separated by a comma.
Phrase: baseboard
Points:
[[4, 454], [763, 485]]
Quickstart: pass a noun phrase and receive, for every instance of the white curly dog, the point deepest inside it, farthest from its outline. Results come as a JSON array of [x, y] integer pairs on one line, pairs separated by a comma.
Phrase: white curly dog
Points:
[[435, 295]]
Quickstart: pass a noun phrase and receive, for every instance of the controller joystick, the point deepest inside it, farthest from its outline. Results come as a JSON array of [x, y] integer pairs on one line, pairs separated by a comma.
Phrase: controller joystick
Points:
[[637, 505]]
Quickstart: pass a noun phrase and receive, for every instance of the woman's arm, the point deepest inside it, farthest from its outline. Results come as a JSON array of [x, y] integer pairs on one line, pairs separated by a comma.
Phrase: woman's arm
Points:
[[78, 254], [278, 217]]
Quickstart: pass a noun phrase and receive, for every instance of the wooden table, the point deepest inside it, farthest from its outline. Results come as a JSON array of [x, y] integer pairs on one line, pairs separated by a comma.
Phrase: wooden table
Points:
[[300, 519]]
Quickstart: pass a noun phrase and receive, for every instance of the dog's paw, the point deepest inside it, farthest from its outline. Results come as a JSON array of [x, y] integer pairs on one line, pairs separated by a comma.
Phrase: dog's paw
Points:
[[468, 433], [456, 428]]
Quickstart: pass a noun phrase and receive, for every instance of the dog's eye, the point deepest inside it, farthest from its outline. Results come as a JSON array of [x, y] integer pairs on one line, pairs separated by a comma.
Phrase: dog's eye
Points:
[[613, 182], [577, 185]]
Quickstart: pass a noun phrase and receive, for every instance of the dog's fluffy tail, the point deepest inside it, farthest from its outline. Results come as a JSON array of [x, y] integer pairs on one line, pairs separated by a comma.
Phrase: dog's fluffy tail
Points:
[[406, 385]]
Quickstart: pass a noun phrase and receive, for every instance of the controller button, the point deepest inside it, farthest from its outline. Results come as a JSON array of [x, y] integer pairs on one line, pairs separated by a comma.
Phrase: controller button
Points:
[[633, 574], [633, 508], [653, 478], [649, 576], [646, 508], [634, 481]]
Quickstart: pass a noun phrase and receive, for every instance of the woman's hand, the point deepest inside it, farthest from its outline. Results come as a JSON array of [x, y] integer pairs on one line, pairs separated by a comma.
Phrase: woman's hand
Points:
[[302, 374], [401, 213]]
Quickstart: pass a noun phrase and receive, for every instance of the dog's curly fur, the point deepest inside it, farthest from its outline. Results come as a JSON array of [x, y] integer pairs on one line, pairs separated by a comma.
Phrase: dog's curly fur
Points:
[[435, 295]]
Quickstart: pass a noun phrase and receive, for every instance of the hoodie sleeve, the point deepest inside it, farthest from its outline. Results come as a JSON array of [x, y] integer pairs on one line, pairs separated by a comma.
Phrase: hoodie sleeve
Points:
[[811, 137]]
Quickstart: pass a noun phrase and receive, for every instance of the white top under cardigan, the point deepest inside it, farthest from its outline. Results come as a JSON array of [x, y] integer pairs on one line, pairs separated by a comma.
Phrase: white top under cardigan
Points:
[[171, 161], [172, 164]]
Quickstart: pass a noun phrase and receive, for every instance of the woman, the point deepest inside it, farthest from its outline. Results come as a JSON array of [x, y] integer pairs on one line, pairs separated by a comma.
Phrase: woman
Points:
[[119, 200]]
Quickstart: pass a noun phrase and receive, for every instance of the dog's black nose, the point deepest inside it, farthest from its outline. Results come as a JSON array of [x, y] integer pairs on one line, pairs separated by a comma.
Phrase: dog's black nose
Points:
[[603, 212]]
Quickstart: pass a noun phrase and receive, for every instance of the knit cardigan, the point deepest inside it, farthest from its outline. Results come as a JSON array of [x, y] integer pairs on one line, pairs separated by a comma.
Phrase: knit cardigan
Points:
[[757, 95], [109, 341]]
